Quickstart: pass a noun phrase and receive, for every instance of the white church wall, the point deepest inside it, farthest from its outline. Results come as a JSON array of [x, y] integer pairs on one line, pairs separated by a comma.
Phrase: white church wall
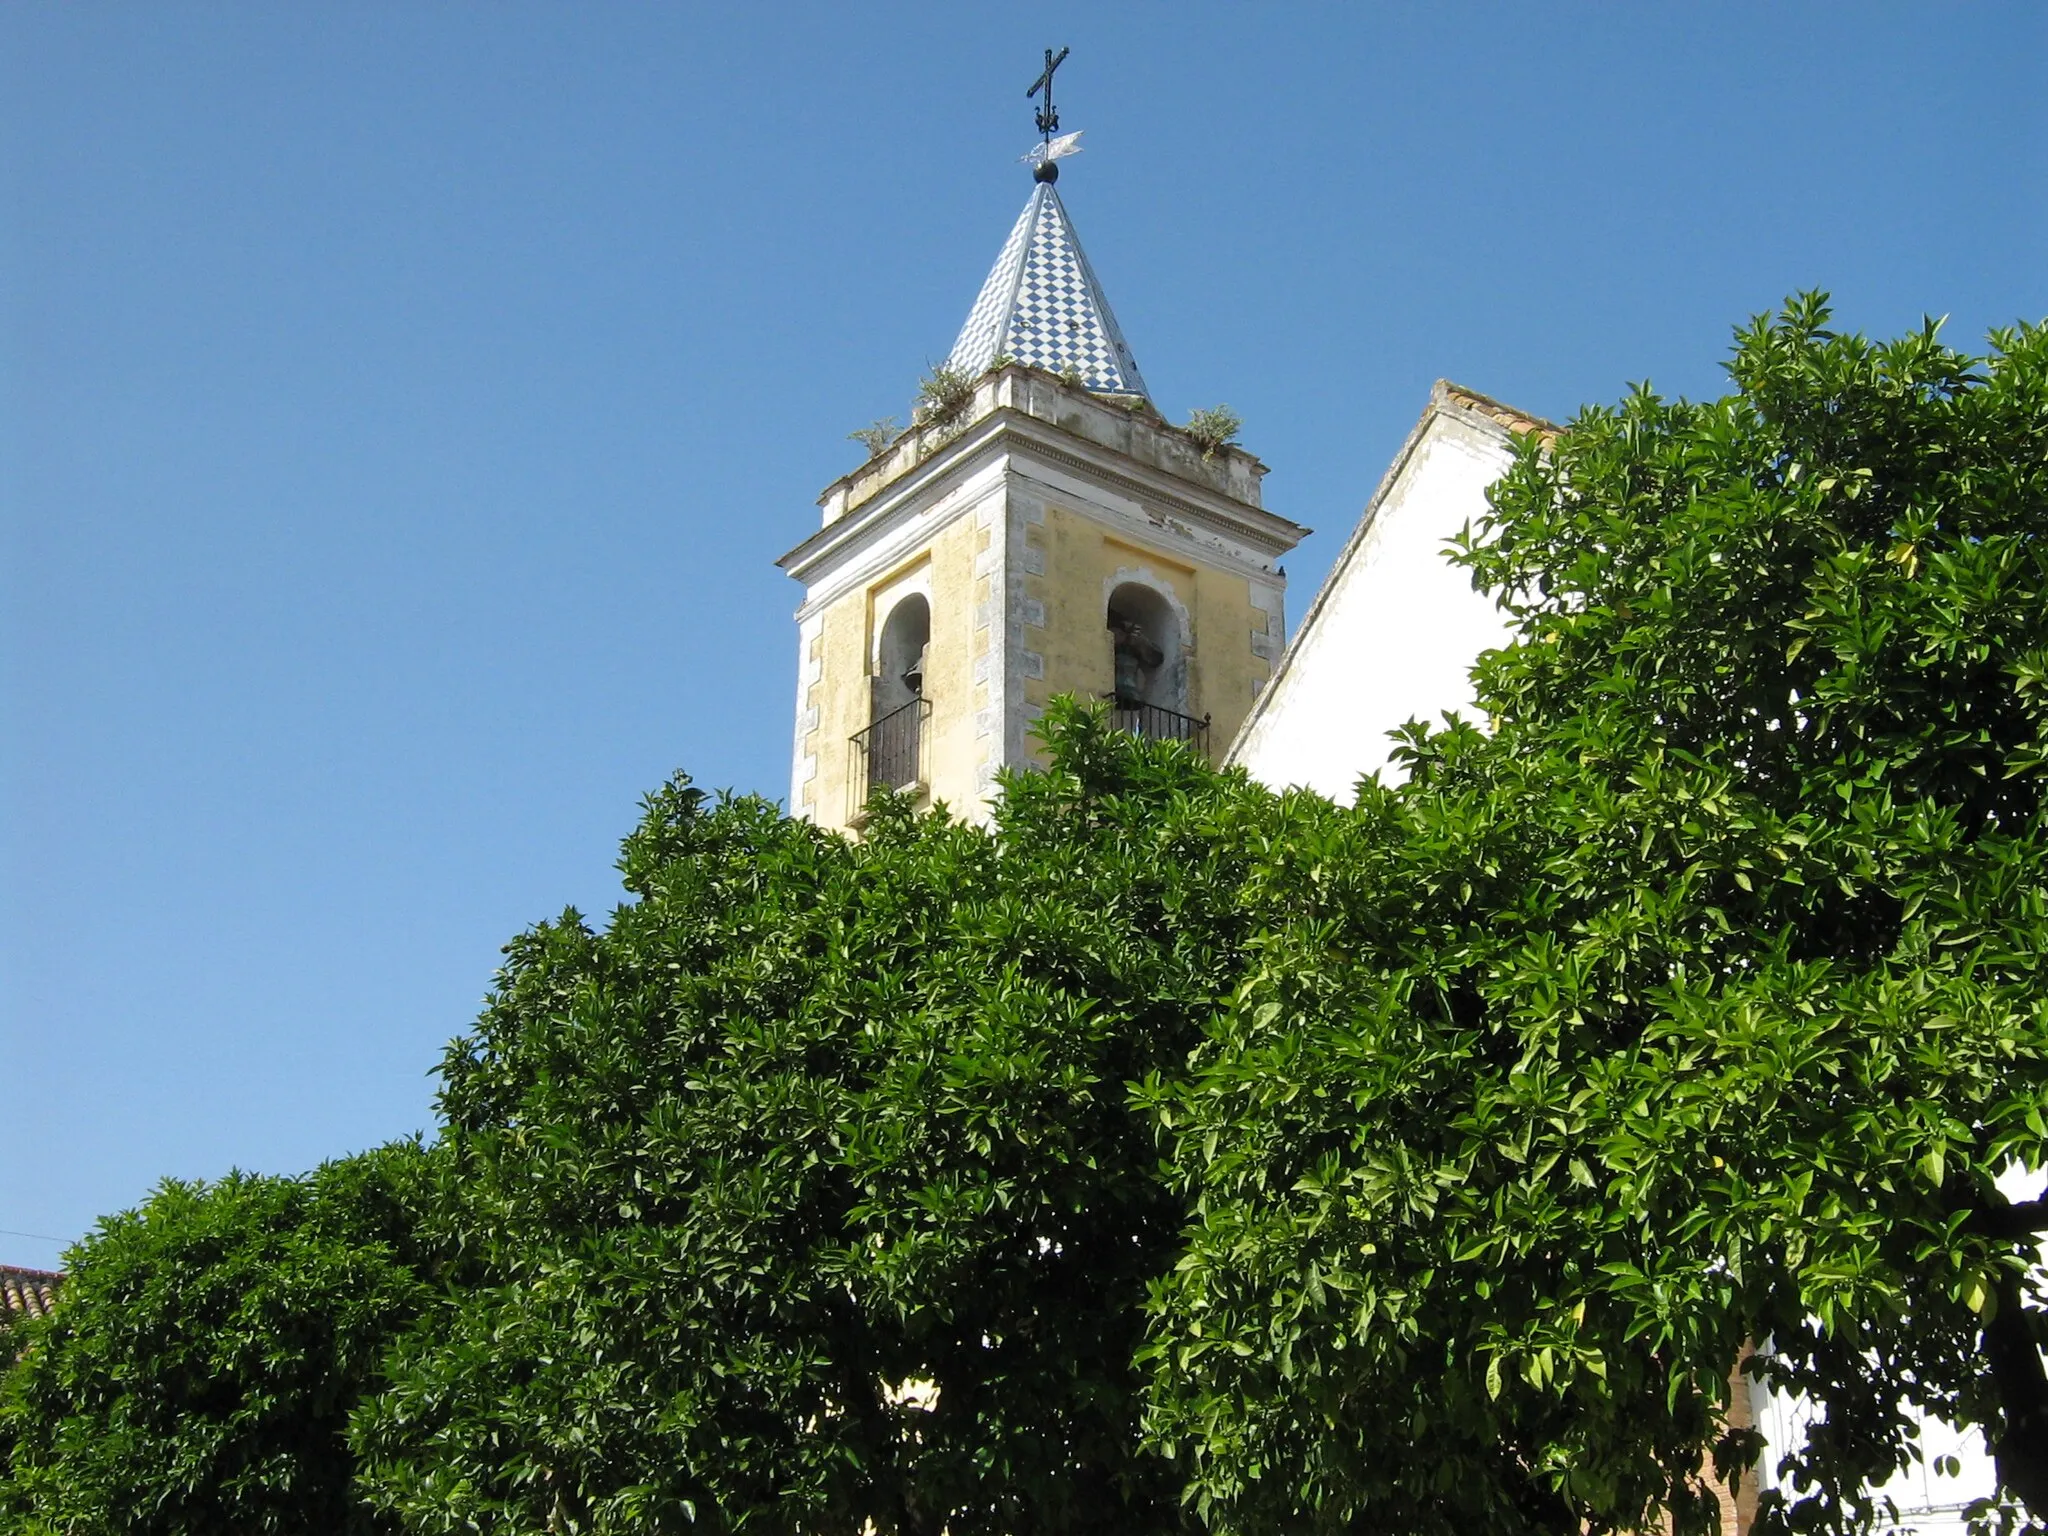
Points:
[[1392, 635]]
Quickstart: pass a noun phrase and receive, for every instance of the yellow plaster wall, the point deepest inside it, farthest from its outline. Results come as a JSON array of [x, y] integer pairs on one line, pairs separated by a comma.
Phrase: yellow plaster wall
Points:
[[1080, 557], [845, 646]]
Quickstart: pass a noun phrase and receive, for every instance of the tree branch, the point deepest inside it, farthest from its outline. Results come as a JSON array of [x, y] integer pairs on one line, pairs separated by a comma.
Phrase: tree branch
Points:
[[2021, 1446], [2006, 1221]]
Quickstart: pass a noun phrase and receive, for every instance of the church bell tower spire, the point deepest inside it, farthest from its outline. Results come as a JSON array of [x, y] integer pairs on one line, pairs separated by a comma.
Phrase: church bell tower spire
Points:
[[1042, 305], [1039, 529]]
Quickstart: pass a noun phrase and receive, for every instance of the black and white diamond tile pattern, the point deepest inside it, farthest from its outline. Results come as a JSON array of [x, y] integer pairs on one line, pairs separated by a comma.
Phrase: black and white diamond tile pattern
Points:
[[981, 337], [1059, 319], [1042, 305]]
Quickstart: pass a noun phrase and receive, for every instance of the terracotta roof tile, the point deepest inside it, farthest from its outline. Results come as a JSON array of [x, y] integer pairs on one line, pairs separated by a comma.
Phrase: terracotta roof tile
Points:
[[31, 1291], [1518, 422]]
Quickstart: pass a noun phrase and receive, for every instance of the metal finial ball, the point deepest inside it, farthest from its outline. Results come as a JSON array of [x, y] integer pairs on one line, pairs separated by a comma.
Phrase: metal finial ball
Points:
[[1048, 170]]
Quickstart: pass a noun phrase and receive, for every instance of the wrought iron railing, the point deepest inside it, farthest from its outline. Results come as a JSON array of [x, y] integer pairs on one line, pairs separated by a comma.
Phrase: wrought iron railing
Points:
[[1158, 723], [889, 754]]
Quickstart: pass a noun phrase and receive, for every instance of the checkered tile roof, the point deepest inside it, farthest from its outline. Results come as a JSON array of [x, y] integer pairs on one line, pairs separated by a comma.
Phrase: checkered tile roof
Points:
[[1042, 305]]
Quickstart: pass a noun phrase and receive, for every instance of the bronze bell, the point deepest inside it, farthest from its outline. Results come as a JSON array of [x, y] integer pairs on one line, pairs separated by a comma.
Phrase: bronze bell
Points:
[[1135, 656]]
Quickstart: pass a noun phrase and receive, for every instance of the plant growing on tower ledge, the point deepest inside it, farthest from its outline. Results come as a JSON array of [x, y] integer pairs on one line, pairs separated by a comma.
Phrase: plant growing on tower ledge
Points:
[[876, 436], [1213, 428], [943, 397]]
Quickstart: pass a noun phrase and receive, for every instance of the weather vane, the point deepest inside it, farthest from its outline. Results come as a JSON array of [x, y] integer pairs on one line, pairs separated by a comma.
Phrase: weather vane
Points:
[[1049, 149]]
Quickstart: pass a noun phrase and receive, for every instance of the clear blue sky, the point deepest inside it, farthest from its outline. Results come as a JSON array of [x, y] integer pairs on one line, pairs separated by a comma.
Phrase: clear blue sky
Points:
[[401, 407]]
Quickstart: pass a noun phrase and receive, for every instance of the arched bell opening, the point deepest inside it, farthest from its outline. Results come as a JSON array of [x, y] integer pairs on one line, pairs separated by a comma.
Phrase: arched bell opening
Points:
[[1144, 633], [1150, 694], [900, 654], [890, 752]]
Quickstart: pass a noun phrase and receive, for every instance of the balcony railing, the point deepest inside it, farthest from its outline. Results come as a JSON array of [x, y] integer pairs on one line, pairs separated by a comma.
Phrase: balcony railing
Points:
[[1158, 723], [889, 754]]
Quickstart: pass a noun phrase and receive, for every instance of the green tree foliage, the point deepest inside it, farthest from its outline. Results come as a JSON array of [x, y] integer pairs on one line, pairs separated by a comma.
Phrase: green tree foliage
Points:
[[1179, 1155], [1697, 1003], [809, 1191], [199, 1371]]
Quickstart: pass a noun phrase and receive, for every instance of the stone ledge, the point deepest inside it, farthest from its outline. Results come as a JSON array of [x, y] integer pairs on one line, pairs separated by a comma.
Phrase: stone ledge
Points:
[[1136, 430]]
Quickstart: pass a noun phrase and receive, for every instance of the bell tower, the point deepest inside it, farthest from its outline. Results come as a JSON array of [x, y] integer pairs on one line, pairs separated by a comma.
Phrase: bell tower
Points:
[[1038, 529]]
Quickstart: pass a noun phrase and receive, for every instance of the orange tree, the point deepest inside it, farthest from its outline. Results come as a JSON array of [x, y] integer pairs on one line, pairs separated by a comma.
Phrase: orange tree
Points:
[[1699, 1002], [808, 1191], [207, 1349]]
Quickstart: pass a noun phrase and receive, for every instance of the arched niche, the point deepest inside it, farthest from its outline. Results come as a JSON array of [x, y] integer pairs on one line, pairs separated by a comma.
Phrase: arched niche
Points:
[[1149, 648], [900, 654]]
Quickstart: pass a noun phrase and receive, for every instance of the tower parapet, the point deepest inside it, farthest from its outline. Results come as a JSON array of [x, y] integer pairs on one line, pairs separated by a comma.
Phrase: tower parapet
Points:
[[1128, 425]]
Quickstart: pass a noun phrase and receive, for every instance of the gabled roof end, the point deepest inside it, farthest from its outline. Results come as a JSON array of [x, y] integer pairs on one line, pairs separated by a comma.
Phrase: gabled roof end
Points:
[[1445, 393]]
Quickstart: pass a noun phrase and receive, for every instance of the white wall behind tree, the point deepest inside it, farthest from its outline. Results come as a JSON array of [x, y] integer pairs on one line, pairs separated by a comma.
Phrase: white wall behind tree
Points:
[[1393, 633]]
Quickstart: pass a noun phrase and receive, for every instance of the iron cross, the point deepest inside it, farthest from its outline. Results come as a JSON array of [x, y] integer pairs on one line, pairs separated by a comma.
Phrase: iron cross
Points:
[[1048, 120]]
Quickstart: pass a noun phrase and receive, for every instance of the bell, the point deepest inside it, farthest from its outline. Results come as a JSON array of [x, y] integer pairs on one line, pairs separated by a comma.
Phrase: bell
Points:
[[1130, 676]]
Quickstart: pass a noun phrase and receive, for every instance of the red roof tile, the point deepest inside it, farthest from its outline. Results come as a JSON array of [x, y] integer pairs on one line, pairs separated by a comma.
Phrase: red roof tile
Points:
[[1518, 422], [30, 1291]]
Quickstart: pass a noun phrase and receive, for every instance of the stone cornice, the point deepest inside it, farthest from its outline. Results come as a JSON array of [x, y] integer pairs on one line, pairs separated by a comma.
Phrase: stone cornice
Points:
[[1255, 525], [1008, 427]]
